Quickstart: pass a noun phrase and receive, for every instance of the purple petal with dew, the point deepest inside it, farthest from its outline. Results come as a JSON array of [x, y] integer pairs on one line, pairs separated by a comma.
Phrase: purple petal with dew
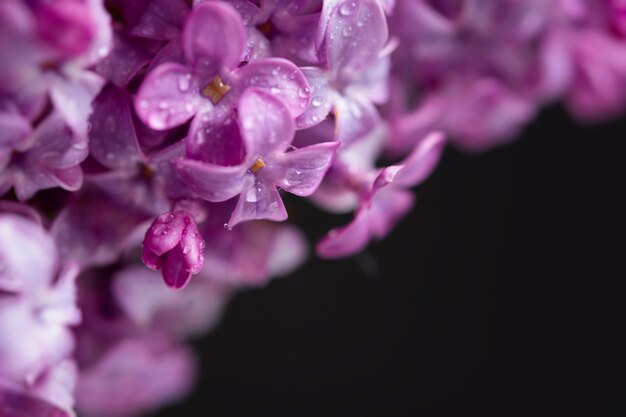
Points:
[[354, 119], [168, 97], [208, 25], [211, 182], [280, 78], [265, 122], [215, 137], [258, 201], [304, 169], [356, 33], [164, 233], [321, 98]]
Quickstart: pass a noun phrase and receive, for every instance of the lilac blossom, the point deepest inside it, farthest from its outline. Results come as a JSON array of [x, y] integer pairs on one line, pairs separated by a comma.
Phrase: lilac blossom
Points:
[[268, 130], [352, 35], [383, 198], [173, 93]]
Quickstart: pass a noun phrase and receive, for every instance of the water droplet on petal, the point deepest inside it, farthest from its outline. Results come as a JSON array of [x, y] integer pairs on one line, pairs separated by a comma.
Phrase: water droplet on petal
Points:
[[184, 82], [304, 92], [347, 8], [317, 101], [186, 249]]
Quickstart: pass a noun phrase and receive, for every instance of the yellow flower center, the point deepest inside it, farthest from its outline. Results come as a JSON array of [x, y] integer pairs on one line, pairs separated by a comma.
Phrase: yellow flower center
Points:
[[216, 89], [257, 165]]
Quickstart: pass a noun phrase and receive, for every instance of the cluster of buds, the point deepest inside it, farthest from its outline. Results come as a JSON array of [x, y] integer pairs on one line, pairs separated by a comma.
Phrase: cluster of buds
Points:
[[173, 131]]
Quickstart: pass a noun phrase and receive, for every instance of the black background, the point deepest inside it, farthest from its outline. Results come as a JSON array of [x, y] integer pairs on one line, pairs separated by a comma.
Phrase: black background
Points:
[[502, 294]]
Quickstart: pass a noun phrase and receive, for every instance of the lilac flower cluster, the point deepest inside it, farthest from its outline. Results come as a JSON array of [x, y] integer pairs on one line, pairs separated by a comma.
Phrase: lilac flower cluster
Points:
[[171, 131]]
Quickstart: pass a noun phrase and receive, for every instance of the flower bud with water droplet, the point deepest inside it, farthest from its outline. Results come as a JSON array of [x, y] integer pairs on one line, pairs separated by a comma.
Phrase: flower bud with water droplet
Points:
[[174, 245]]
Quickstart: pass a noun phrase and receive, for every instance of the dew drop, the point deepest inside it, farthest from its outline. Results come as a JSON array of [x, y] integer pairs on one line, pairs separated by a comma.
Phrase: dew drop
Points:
[[184, 82], [317, 101], [186, 249], [304, 92], [347, 8]]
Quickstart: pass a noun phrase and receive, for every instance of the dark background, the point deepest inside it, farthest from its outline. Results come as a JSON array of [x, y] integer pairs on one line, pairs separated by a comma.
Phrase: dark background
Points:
[[502, 294]]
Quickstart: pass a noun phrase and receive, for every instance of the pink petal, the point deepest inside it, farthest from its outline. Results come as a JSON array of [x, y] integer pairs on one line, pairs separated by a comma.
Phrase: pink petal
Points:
[[214, 137], [265, 123], [206, 29], [258, 200], [213, 183], [322, 98], [113, 141], [388, 207], [168, 97], [354, 119], [175, 270], [347, 240], [280, 78], [417, 166], [72, 97], [356, 32], [304, 168]]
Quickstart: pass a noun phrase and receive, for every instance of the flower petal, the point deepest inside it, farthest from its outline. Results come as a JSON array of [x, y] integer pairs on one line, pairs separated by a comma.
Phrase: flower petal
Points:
[[204, 35], [176, 271], [322, 98], [347, 240], [215, 138], [354, 119], [265, 123], [211, 182], [417, 166], [355, 34], [304, 169], [280, 78], [113, 141], [258, 200], [168, 97]]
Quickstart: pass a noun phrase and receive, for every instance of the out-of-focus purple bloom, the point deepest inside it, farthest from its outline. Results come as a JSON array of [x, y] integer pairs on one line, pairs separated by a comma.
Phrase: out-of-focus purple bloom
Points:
[[37, 306], [174, 245], [352, 35], [46, 60], [268, 130], [135, 376], [384, 199], [49, 157]]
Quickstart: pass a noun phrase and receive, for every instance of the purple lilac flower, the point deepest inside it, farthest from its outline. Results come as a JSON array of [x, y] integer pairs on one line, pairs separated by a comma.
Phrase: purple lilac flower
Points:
[[173, 93], [268, 130], [351, 37], [382, 195]]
